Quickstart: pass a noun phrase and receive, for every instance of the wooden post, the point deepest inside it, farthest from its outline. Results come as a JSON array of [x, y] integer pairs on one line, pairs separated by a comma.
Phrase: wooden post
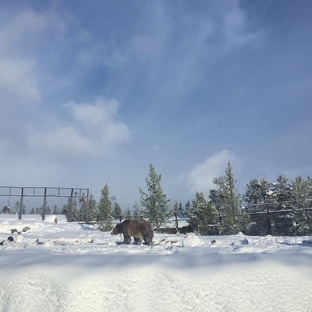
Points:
[[21, 205], [176, 221], [269, 220], [44, 206], [70, 214]]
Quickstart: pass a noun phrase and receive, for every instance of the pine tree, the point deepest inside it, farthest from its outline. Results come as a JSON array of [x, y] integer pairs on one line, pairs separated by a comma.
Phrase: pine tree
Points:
[[56, 210], [257, 196], [105, 210], [136, 211], [181, 209], [127, 214], [48, 210], [202, 213], [92, 208], [176, 208], [282, 222], [117, 211], [155, 201], [83, 209], [227, 201], [300, 202]]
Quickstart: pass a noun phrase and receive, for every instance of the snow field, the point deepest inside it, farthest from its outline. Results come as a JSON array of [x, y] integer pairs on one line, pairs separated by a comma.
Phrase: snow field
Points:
[[71, 267]]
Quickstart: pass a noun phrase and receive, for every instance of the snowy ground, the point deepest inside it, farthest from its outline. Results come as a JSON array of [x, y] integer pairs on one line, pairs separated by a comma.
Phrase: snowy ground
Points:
[[72, 267]]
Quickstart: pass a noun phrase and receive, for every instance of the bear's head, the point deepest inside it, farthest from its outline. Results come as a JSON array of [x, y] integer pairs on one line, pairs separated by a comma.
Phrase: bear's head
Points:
[[117, 229]]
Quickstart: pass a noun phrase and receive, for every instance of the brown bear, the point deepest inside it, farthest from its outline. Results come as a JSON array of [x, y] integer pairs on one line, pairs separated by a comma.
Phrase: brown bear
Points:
[[139, 229]]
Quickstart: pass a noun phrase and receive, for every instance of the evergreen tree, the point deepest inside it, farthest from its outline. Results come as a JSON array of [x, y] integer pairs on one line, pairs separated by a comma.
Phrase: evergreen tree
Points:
[[227, 201], [83, 216], [136, 211], [202, 213], [16, 208], [32, 211], [181, 209], [155, 201], [75, 209], [117, 211], [105, 210], [300, 202], [92, 208], [48, 210], [65, 211], [187, 206], [257, 196], [282, 222], [127, 214], [6, 209], [176, 208], [56, 210]]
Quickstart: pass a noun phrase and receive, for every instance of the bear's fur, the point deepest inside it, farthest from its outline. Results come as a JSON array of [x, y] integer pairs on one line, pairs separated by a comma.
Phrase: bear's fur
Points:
[[138, 229]]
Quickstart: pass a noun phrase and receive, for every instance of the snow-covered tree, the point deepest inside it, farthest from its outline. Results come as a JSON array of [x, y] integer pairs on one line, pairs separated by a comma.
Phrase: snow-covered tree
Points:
[[282, 222], [181, 209], [228, 202], [202, 213], [176, 208], [300, 202], [117, 211], [83, 209], [257, 193], [105, 210], [136, 211], [154, 200], [56, 210], [92, 208], [257, 196], [127, 214]]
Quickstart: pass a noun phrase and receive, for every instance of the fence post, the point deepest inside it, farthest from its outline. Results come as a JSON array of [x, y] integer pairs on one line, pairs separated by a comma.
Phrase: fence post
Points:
[[21, 205], [44, 206], [176, 221], [269, 219], [70, 215]]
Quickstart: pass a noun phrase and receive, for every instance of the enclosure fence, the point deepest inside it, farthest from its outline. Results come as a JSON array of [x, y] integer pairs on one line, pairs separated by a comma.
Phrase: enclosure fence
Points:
[[44, 192]]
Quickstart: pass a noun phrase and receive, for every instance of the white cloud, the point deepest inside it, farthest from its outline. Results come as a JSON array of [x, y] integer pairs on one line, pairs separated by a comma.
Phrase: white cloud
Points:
[[93, 131], [200, 178], [18, 81], [100, 111]]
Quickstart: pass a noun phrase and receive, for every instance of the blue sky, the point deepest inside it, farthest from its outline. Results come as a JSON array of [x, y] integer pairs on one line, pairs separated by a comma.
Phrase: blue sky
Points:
[[94, 91]]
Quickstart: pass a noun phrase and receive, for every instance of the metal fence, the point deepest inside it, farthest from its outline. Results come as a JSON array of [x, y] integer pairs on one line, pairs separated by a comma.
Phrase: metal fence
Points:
[[44, 192]]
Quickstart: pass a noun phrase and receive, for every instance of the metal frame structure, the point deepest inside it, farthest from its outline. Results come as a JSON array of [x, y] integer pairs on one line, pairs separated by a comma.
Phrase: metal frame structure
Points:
[[44, 192]]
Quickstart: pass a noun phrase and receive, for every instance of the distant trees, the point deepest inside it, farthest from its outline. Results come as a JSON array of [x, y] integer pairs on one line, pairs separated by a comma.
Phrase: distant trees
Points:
[[136, 211], [202, 214], [301, 201], [117, 211], [228, 203], [105, 210], [154, 201], [280, 208]]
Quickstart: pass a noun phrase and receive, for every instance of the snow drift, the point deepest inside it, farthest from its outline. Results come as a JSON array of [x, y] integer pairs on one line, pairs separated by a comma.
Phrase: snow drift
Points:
[[72, 267]]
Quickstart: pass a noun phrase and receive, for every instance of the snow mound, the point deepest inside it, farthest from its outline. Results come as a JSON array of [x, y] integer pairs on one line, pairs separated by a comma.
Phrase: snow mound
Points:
[[191, 240]]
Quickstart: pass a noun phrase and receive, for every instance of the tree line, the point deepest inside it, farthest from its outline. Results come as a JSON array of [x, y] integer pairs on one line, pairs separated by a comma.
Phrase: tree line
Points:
[[279, 208]]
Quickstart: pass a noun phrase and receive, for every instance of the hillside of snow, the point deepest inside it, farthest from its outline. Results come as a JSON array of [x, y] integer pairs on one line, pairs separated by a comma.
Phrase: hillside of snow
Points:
[[73, 267]]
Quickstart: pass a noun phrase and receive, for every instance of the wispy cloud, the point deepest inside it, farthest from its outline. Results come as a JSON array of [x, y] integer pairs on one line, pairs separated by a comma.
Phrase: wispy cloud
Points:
[[199, 179], [91, 130]]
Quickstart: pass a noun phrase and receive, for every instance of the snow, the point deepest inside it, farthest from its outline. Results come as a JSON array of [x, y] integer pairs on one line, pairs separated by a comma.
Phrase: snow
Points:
[[74, 267]]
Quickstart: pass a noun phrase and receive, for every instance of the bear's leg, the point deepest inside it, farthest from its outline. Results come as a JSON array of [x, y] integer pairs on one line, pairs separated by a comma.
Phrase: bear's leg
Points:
[[137, 241], [127, 239], [148, 241]]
